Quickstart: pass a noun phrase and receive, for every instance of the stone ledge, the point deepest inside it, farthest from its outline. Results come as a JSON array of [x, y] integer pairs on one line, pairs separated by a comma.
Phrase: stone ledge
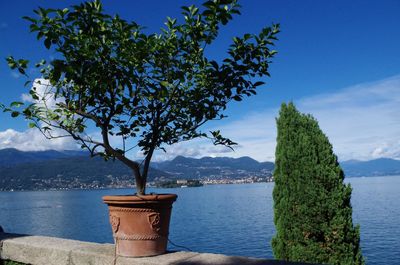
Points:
[[39, 250]]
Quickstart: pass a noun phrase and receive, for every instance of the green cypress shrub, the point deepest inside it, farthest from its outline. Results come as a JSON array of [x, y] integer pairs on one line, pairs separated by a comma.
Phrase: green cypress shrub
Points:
[[312, 210]]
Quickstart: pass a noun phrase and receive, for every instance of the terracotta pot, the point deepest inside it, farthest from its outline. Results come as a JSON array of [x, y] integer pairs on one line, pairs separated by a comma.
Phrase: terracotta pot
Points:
[[140, 224]]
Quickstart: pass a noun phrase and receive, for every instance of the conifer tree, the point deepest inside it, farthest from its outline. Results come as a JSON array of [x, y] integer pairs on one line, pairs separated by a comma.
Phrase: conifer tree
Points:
[[312, 210]]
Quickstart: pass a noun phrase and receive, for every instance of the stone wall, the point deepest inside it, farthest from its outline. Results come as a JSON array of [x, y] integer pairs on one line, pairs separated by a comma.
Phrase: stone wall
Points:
[[41, 250]]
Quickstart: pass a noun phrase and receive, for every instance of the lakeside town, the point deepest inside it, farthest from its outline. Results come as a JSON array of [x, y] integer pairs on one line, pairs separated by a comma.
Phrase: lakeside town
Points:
[[60, 183], [54, 170], [184, 183]]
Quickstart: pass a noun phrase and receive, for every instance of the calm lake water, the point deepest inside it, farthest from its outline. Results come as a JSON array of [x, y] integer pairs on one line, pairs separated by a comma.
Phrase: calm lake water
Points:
[[227, 219]]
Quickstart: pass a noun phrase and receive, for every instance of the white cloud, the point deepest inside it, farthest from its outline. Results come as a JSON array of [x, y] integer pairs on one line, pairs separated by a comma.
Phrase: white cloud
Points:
[[26, 98], [194, 148], [45, 92], [33, 140], [362, 122]]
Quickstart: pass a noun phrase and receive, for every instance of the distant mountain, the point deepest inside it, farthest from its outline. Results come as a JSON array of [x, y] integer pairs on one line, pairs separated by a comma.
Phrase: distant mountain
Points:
[[51, 169], [66, 169], [218, 167], [226, 167], [376, 167], [74, 169], [11, 156]]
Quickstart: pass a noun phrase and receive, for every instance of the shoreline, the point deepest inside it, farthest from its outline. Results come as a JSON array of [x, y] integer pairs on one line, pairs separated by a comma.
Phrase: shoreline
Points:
[[115, 188]]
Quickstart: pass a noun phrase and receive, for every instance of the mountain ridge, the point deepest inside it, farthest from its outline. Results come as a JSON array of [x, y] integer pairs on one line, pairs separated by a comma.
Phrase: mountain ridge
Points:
[[8, 155], [215, 167], [374, 167], [59, 169], [75, 169]]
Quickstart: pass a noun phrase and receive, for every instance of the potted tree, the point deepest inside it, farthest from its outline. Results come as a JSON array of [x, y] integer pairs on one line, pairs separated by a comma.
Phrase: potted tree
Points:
[[111, 80]]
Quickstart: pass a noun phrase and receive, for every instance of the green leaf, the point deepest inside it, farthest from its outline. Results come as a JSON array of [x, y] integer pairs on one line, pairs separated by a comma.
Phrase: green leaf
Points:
[[35, 96], [29, 19], [185, 8], [21, 70], [32, 125], [11, 62], [259, 83], [273, 52], [27, 112], [42, 62], [225, 2], [47, 43], [214, 64], [164, 83], [16, 104], [33, 27], [208, 13], [15, 114], [237, 98]]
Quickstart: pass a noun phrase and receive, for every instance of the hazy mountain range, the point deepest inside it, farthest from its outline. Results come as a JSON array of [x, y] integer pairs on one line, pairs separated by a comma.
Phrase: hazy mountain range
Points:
[[376, 167], [218, 167], [62, 169], [75, 169]]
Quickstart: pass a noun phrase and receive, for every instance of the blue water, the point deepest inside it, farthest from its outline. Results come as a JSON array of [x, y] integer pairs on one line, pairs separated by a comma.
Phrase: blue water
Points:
[[227, 219]]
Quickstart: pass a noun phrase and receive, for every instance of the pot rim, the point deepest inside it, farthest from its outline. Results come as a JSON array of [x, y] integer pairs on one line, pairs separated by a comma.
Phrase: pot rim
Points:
[[139, 199]]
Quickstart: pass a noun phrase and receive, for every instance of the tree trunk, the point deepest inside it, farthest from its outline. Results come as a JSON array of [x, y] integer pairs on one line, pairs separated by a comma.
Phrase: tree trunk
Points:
[[140, 184], [141, 187]]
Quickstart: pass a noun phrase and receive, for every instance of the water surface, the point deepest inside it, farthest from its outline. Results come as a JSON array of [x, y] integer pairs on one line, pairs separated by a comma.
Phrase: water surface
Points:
[[227, 219]]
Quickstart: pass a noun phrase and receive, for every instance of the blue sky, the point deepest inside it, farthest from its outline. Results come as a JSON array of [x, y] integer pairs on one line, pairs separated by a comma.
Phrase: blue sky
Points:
[[338, 60]]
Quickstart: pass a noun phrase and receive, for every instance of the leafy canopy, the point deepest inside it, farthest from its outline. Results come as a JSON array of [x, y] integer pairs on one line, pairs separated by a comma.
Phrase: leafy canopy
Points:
[[155, 88]]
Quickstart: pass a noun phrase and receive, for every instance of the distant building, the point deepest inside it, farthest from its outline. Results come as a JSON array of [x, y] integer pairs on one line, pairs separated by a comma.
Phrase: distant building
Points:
[[181, 181]]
